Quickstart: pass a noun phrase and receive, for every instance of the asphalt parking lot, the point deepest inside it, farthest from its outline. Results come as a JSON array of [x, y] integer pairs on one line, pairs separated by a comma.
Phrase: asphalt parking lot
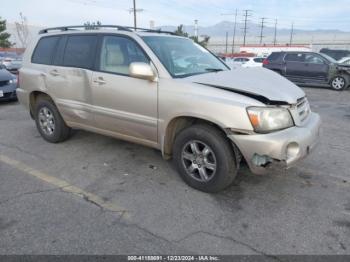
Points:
[[98, 195]]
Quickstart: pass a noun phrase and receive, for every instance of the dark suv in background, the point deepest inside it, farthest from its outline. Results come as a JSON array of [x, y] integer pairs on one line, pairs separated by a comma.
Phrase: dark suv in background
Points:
[[336, 54], [309, 68]]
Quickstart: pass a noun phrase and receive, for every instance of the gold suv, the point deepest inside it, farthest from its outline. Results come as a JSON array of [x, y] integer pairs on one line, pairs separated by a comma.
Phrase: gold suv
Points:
[[166, 92]]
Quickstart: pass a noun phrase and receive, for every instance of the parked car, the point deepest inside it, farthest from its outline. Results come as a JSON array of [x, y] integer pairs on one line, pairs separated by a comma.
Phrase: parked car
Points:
[[8, 85], [245, 61], [130, 85], [336, 54], [344, 61], [309, 68], [12, 63]]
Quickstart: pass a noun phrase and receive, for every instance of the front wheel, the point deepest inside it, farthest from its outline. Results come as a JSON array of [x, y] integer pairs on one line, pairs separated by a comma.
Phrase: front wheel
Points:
[[204, 158], [339, 83]]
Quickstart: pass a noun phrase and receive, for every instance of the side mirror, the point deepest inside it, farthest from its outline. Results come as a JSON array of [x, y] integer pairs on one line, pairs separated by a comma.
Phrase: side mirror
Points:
[[142, 71]]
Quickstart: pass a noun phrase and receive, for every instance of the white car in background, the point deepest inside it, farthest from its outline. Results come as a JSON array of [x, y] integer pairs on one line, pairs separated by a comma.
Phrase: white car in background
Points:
[[344, 60], [245, 62]]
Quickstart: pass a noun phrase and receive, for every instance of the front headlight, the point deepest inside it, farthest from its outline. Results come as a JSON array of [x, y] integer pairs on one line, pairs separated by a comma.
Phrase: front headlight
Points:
[[267, 119], [13, 81]]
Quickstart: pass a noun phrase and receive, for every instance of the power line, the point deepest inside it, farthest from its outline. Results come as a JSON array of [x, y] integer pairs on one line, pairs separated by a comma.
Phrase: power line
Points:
[[246, 14], [262, 25]]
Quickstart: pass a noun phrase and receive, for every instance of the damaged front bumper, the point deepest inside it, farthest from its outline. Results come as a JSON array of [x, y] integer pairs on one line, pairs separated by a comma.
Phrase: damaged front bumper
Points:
[[278, 149]]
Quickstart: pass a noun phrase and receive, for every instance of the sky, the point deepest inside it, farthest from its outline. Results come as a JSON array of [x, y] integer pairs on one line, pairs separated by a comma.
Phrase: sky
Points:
[[305, 14]]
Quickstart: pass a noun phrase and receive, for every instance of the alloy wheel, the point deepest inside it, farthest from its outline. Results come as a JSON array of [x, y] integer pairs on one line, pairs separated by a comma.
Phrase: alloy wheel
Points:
[[199, 160], [46, 121]]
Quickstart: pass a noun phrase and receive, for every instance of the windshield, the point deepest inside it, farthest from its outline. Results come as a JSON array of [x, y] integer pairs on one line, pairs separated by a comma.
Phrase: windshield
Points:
[[330, 59], [182, 57]]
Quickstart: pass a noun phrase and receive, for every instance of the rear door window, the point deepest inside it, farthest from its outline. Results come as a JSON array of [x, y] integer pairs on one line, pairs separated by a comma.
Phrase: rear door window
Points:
[[80, 51], [44, 50], [295, 57]]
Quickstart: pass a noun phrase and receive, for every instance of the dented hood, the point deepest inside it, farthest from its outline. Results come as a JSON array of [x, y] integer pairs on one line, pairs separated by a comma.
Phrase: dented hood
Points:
[[254, 82]]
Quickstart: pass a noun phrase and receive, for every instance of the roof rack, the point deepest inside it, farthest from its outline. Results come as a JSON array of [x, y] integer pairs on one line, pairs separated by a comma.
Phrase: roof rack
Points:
[[73, 27], [89, 27], [159, 31]]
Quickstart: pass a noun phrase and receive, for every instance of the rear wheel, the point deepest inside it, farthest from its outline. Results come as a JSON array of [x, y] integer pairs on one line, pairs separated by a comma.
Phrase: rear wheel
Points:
[[339, 83], [205, 158], [49, 122]]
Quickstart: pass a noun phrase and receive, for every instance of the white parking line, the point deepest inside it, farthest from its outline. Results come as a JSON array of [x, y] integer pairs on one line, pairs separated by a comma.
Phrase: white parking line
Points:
[[64, 186]]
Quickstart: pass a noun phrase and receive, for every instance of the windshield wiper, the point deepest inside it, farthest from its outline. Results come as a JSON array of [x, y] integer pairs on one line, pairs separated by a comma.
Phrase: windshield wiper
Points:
[[214, 69]]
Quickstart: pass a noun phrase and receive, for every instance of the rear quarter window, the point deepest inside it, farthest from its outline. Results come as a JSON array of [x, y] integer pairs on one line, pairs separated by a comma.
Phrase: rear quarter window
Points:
[[274, 56], [44, 50], [80, 51]]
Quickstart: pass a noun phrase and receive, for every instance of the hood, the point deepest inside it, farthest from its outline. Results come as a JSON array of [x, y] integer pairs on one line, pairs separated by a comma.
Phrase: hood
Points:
[[339, 65], [259, 83], [5, 75]]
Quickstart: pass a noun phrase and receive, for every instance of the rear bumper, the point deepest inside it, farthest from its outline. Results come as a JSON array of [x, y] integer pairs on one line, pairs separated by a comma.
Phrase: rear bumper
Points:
[[23, 97], [279, 149]]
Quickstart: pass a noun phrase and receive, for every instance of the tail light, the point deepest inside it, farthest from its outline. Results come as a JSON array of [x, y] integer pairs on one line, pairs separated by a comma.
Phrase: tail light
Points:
[[266, 62]]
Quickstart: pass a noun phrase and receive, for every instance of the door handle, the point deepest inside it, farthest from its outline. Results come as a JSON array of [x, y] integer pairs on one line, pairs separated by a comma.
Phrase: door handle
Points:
[[99, 81], [54, 72]]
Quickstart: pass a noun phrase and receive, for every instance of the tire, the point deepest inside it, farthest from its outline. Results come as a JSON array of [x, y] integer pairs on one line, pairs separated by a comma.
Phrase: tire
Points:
[[277, 71], [49, 121], [339, 83], [205, 158]]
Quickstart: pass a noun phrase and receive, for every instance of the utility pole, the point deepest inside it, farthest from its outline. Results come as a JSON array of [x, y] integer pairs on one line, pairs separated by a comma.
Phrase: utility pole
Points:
[[134, 10], [226, 42], [135, 24], [291, 35], [234, 32], [275, 34], [246, 14], [234, 29], [262, 29]]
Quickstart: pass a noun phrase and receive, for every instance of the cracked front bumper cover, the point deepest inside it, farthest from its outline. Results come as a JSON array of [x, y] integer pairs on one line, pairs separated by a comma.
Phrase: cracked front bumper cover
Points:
[[279, 149]]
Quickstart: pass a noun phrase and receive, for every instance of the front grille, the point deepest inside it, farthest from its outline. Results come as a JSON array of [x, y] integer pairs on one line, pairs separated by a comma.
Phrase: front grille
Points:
[[303, 108], [4, 83]]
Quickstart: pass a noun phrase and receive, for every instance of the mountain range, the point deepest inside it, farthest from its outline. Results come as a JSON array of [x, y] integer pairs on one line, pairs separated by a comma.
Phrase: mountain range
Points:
[[220, 29]]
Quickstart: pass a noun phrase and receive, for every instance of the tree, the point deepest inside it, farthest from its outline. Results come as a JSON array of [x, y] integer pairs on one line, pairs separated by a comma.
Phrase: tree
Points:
[[203, 42], [92, 25], [22, 30], [180, 31], [4, 37]]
